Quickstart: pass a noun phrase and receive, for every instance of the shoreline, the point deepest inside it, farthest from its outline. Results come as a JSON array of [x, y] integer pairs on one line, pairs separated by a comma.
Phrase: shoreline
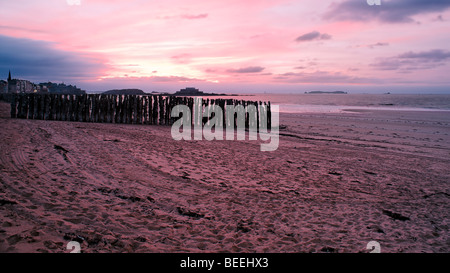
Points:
[[336, 182]]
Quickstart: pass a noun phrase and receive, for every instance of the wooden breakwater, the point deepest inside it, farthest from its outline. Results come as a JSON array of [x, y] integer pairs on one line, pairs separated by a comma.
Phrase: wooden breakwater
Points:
[[127, 109]]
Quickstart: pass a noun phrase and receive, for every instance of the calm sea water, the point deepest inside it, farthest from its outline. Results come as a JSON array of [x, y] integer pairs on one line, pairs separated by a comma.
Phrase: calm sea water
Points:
[[331, 103]]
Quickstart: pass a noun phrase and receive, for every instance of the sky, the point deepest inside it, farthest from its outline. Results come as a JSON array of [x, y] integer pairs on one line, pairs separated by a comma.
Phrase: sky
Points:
[[233, 46]]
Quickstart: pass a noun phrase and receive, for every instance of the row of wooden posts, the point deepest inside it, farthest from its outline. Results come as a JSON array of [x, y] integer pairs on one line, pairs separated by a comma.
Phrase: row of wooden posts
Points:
[[130, 109]]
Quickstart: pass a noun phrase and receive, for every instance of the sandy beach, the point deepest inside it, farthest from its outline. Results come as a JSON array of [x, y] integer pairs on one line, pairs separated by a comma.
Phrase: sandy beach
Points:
[[336, 182]]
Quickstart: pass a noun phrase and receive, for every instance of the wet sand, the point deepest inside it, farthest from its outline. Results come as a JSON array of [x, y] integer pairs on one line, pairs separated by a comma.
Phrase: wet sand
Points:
[[336, 182]]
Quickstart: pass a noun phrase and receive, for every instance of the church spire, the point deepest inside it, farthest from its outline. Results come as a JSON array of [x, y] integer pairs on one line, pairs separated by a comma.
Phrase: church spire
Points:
[[9, 75]]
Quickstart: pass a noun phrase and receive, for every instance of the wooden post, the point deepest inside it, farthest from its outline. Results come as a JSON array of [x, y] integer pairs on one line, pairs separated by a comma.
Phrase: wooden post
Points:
[[41, 107], [41, 112], [46, 107], [25, 106], [145, 110], [98, 107], [93, 108], [138, 109], [108, 107], [166, 110], [14, 106], [36, 99], [104, 108], [257, 115], [113, 108], [72, 111], [55, 104], [155, 110], [81, 108], [30, 106], [60, 106], [24, 111], [50, 105], [119, 110], [125, 108], [65, 106], [78, 112], [19, 106], [130, 109], [161, 110], [150, 109]]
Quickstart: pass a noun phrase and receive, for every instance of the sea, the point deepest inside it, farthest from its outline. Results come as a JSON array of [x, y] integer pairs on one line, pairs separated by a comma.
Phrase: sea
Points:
[[335, 103]]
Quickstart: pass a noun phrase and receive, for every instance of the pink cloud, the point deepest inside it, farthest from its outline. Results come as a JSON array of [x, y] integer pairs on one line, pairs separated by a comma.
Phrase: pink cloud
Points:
[[197, 16], [230, 42]]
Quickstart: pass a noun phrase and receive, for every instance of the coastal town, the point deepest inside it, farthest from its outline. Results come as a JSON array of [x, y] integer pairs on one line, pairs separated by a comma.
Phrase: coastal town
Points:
[[20, 86]]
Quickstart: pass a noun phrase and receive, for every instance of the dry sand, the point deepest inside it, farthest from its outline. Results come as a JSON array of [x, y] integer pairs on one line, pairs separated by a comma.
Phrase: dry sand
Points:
[[336, 182]]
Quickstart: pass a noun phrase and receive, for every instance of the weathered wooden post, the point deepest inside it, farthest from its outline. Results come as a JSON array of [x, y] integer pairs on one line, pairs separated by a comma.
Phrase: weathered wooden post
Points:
[[58, 107], [51, 105], [13, 106], [61, 105], [107, 108], [46, 106], [138, 109], [124, 108], [30, 106], [161, 110], [155, 110], [98, 107], [257, 114], [129, 109], [121, 109], [93, 108], [36, 106], [112, 109], [68, 108], [150, 109], [40, 114], [65, 106], [166, 111], [81, 108], [78, 112], [104, 109], [20, 106], [71, 110], [115, 108], [145, 109]]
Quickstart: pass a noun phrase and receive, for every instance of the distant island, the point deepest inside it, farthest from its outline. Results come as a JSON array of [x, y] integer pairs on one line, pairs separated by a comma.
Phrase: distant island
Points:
[[191, 91], [188, 91], [124, 92], [326, 92]]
